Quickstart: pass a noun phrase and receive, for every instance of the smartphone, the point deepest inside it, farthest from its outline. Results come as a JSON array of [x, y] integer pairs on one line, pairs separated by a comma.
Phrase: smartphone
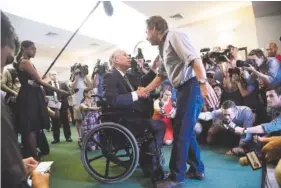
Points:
[[42, 167]]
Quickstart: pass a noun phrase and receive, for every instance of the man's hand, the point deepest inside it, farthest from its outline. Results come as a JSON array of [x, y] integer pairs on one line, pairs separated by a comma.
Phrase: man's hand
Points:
[[142, 93], [250, 68], [40, 180], [239, 130], [30, 164], [209, 95]]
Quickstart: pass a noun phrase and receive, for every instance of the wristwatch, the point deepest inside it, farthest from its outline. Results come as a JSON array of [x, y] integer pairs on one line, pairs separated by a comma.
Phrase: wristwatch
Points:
[[202, 81]]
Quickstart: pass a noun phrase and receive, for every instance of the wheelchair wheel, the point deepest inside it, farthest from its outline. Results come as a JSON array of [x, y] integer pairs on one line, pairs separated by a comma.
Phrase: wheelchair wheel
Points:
[[118, 154]]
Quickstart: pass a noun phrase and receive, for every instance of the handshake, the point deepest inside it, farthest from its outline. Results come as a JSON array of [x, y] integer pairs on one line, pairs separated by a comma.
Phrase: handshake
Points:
[[142, 93]]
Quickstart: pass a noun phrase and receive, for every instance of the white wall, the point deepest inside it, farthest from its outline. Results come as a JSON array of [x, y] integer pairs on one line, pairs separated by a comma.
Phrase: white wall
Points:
[[237, 28], [268, 30]]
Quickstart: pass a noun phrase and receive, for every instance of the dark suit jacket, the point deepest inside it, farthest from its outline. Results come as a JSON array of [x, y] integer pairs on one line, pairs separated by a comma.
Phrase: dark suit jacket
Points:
[[62, 99], [118, 94]]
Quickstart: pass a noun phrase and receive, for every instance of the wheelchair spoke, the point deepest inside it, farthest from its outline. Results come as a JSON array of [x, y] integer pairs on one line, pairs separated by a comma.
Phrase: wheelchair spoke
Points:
[[117, 161], [96, 142], [107, 167], [95, 158]]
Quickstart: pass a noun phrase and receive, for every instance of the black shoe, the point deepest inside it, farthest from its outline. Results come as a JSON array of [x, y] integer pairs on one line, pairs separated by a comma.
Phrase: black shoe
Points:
[[55, 142], [69, 140], [168, 183], [194, 175]]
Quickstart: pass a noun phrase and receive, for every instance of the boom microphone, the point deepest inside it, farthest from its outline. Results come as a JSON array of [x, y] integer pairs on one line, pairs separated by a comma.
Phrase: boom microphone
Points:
[[107, 6], [108, 10]]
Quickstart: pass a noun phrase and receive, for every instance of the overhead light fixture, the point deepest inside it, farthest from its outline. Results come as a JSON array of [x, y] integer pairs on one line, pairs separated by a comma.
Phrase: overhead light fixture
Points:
[[177, 16], [52, 46], [94, 44], [51, 34]]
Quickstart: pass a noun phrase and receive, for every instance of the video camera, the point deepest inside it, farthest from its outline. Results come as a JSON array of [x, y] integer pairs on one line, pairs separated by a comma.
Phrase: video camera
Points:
[[219, 57], [134, 64], [99, 68], [78, 69]]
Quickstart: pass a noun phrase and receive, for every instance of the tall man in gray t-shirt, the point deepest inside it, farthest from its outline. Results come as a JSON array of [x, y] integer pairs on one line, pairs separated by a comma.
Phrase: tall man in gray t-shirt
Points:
[[185, 70]]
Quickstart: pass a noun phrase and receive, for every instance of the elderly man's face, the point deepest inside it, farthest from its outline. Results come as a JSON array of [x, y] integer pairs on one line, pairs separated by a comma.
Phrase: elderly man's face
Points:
[[123, 60]]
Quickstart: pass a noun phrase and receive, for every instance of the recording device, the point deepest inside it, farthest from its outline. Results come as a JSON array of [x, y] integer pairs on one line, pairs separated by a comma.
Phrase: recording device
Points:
[[222, 56], [233, 71], [219, 57], [78, 69], [134, 64], [229, 125], [108, 9], [99, 68], [43, 167], [205, 55], [247, 63], [107, 6]]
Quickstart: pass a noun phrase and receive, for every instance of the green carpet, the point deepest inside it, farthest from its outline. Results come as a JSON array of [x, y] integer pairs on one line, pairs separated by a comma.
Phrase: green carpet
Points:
[[221, 171]]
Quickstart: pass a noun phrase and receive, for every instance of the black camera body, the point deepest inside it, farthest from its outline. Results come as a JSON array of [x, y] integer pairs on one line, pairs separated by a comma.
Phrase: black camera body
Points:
[[247, 63], [221, 57], [78, 69], [99, 68], [233, 71]]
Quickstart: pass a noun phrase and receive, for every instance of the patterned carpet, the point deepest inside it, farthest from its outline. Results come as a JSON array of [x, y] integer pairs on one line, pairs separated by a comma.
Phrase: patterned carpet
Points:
[[221, 171]]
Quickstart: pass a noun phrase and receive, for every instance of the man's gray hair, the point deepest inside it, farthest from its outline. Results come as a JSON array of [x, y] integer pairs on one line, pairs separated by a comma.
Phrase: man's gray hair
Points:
[[113, 56]]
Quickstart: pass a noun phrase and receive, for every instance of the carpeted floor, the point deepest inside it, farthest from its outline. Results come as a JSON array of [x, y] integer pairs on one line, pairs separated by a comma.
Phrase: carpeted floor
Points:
[[221, 171]]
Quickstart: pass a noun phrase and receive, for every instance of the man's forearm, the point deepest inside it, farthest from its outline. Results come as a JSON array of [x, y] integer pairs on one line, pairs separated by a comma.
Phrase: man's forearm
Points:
[[199, 69], [5, 88], [154, 84], [256, 130], [262, 76]]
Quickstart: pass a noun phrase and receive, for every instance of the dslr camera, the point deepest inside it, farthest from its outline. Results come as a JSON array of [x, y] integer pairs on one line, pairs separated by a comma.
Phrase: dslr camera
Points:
[[247, 63], [78, 69]]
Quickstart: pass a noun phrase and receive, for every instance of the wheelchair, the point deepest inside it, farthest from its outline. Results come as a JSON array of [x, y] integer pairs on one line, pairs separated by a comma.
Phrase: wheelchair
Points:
[[119, 150]]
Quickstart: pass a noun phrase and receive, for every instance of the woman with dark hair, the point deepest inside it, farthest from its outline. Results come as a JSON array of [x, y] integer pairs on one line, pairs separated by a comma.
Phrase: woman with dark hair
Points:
[[164, 109], [32, 113], [90, 115]]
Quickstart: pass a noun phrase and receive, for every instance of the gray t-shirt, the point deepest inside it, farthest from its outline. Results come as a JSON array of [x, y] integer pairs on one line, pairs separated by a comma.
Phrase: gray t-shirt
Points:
[[176, 54]]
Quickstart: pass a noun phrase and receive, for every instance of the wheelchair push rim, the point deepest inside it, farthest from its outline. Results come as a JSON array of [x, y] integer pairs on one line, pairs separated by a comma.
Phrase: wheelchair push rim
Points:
[[110, 153]]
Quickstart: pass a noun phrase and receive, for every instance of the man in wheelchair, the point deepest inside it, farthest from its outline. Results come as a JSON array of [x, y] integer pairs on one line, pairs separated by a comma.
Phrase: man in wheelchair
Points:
[[123, 96]]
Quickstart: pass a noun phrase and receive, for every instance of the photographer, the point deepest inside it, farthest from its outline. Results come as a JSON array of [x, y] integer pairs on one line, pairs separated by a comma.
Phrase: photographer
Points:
[[97, 76], [138, 65], [80, 81], [250, 94], [269, 69], [230, 116], [231, 91], [274, 101]]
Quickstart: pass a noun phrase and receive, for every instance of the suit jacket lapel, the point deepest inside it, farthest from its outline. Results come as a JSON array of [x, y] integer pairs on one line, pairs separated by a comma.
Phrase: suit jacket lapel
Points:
[[120, 77]]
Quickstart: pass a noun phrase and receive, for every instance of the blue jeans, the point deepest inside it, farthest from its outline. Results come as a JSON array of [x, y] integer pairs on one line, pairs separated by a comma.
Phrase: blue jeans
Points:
[[185, 147]]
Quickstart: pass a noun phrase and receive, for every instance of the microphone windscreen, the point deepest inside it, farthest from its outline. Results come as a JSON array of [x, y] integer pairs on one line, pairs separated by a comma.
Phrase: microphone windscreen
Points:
[[108, 8]]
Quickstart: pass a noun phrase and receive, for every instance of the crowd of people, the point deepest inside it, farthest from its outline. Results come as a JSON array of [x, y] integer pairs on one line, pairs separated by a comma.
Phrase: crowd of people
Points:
[[179, 98]]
